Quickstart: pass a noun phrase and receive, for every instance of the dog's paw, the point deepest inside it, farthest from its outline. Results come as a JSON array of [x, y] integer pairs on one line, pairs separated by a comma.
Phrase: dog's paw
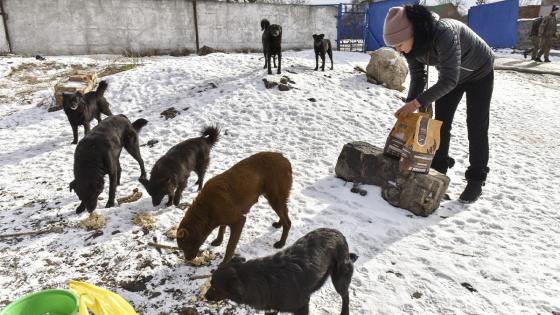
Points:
[[277, 225], [74, 142], [216, 242], [316, 69], [80, 208], [279, 244], [110, 204]]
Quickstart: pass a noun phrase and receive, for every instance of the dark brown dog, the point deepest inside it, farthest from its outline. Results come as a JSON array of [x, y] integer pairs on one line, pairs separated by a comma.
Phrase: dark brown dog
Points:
[[285, 281], [98, 154], [171, 172], [322, 46], [228, 197], [81, 109]]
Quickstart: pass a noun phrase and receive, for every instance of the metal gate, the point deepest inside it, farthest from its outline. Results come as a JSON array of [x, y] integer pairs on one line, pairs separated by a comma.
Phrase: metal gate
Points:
[[351, 26]]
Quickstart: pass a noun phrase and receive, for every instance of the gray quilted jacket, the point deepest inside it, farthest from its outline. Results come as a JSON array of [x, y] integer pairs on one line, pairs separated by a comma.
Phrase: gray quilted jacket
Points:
[[458, 53]]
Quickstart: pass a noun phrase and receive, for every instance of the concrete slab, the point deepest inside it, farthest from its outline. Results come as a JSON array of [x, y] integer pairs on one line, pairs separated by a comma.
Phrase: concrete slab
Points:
[[527, 66]]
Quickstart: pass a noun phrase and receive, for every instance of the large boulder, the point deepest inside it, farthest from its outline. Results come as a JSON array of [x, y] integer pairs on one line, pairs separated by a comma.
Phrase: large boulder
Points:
[[387, 67], [361, 162]]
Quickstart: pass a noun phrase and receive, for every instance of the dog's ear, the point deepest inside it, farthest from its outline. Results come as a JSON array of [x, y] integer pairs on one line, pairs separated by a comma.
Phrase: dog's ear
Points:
[[321, 36], [182, 233], [235, 286], [72, 185], [314, 36]]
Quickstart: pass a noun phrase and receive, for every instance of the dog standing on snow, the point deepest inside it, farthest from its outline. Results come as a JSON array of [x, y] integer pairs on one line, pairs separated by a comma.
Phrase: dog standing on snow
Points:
[[171, 172], [285, 281], [81, 109], [272, 44], [97, 154], [322, 46], [226, 199]]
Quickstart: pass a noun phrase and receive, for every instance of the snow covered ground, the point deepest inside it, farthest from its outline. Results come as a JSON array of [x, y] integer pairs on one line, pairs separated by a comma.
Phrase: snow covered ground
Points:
[[505, 248]]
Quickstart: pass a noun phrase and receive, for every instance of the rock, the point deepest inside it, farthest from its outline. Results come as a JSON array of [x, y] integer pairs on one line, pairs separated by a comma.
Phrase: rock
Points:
[[416, 295], [269, 84], [284, 80], [170, 113], [419, 193], [312, 99], [205, 50], [364, 163], [284, 87], [387, 67]]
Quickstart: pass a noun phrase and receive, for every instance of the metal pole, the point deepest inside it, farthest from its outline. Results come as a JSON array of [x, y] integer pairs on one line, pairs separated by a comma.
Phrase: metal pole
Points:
[[195, 25], [338, 27], [4, 18]]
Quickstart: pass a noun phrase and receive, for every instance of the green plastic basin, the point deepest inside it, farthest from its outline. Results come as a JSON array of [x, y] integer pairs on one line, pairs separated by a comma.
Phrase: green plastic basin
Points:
[[46, 302]]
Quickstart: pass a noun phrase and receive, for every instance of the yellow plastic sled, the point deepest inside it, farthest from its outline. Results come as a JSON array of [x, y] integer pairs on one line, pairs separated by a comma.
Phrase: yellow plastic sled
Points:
[[99, 301]]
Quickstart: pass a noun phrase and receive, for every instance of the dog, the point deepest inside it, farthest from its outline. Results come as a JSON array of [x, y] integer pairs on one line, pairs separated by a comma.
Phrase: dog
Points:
[[170, 173], [322, 46], [272, 44], [227, 198], [285, 281], [264, 25], [81, 109], [98, 154]]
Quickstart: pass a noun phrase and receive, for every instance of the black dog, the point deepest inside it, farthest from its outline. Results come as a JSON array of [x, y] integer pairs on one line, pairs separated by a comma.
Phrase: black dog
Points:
[[98, 154], [264, 25], [170, 173], [285, 281], [322, 46], [83, 108], [272, 44]]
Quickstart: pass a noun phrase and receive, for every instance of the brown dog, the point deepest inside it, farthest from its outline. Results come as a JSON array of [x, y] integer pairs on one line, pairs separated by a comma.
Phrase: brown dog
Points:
[[228, 197]]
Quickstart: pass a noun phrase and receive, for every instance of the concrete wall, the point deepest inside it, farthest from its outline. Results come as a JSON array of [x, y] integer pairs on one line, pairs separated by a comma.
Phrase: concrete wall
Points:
[[523, 30], [236, 26], [4, 48], [57, 27]]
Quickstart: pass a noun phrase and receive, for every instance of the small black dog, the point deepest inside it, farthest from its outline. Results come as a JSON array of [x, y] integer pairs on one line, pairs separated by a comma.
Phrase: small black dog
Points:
[[83, 108], [285, 281], [272, 44], [170, 173], [98, 154], [322, 46]]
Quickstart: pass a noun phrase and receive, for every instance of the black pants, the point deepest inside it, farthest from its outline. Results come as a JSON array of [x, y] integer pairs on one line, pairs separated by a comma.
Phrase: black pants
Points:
[[479, 94]]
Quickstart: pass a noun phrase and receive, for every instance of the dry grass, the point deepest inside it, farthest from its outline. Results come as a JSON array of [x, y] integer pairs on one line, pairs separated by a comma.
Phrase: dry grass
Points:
[[172, 232], [145, 220], [94, 222], [112, 69]]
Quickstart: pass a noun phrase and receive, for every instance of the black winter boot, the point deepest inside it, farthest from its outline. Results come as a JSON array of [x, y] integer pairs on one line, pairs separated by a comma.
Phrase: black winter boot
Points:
[[472, 191], [476, 178]]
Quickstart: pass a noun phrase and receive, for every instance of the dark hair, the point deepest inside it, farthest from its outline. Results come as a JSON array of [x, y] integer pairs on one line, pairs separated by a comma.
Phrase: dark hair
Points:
[[423, 23]]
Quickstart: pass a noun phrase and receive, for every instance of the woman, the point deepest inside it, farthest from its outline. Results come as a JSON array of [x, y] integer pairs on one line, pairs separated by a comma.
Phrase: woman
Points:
[[465, 65]]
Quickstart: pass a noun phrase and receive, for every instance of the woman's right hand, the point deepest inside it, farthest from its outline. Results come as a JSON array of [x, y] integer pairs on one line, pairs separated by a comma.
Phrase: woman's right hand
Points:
[[407, 109]]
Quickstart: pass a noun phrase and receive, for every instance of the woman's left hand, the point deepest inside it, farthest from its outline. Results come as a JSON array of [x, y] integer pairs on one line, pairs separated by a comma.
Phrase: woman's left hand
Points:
[[407, 109]]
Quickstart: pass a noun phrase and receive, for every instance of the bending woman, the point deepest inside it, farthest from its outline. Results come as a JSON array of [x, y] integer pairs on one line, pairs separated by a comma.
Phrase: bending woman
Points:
[[465, 65]]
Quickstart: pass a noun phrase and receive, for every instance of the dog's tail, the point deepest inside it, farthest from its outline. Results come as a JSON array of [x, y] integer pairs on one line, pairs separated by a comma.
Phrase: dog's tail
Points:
[[353, 257], [264, 24], [211, 134], [139, 123], [102, 87]]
